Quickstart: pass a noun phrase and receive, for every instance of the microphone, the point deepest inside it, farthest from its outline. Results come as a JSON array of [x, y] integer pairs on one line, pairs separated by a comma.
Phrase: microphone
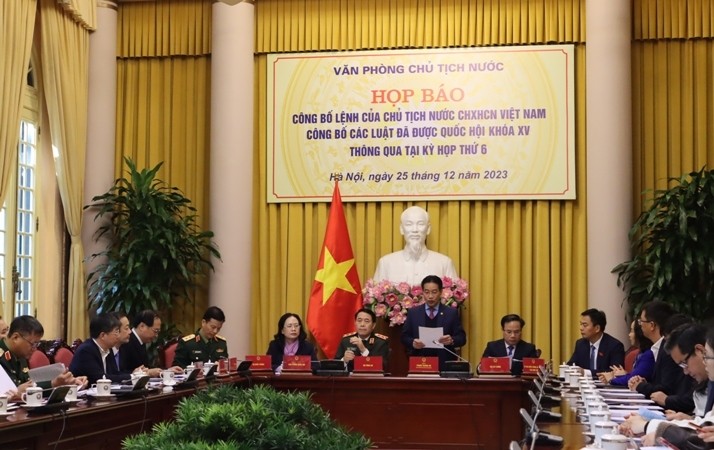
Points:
[[545, 415], [443, 347]]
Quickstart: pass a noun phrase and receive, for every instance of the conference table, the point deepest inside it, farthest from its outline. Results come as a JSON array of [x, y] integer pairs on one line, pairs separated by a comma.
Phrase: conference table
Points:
[[394, 412]]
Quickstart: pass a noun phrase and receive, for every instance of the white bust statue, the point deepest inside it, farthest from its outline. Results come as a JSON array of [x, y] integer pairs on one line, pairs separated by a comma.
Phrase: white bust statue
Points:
[[415, 261]]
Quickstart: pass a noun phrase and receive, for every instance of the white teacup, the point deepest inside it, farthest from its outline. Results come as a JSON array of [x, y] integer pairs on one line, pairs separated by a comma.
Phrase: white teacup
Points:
[[574, 379], [167, 376], [103, 387], [3, 404], [602, 428], [32, 396], [72, 393], [598, 416], [136, 376], [190, 368], [207, 366], [563, 371], [614, 442]]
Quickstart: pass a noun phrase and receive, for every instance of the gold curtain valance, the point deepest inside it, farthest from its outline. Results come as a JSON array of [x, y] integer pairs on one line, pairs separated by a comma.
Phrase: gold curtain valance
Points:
[[303, 25], [160, 29], [672, 19], [84, 12]]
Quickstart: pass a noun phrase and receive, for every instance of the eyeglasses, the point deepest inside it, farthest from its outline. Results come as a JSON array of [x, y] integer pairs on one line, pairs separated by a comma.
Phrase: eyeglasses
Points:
[[33, 344], [684, 363], [641, 321], [156, 330], [707, 358]]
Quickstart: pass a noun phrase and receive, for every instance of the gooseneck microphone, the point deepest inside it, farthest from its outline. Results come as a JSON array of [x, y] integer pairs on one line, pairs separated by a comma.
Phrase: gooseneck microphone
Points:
[[443, 347]]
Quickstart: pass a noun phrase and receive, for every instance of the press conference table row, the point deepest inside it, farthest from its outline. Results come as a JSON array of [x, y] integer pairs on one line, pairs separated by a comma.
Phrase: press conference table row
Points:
[[394, 412]]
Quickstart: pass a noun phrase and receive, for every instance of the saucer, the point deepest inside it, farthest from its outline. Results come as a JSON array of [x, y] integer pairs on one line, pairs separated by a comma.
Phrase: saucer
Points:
[[101, 397], [7, 413], [169, 383]]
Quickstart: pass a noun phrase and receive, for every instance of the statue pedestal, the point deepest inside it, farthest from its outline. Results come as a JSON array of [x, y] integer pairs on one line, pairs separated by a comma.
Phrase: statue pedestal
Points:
[[398, 359]]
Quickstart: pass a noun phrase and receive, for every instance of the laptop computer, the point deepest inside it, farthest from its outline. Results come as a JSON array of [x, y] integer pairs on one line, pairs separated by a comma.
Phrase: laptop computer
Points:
[[55, 402]]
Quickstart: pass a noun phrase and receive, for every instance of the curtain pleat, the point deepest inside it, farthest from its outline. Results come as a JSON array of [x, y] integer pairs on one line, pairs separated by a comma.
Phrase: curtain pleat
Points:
[[17, 20], [65, 68], [525, 257], [163, 109], [83, 12], [672, 19]]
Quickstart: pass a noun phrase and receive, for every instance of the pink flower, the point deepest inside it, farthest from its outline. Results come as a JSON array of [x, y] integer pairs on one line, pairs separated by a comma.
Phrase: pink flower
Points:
[[460, 295], [391, 299], [403, 288], [407, 302], [380, 310], [446, 293], [416, 291]]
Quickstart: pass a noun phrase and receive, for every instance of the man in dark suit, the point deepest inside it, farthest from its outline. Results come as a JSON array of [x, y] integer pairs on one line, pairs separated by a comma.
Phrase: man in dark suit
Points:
[[597, 350], [668, 378], [146, 326], [511, 345], [434, 315], [90, 359]]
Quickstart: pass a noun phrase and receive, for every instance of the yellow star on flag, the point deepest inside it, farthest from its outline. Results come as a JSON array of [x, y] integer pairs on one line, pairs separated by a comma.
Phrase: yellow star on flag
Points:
[[333, 275]]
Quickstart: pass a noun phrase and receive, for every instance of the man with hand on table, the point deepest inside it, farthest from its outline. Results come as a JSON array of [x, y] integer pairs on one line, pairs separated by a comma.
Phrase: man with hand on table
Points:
[[22, 339], [363, 342], [133, 354], [691, 348]]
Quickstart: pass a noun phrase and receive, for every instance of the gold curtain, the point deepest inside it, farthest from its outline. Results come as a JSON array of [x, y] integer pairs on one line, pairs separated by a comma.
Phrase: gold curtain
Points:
[[525, 257], [65, 65], [672, 92], [163, 105], [17, 20]]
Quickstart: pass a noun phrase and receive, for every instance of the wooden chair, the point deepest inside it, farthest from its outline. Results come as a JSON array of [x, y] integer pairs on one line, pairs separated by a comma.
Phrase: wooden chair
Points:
[[630, 357], [167, 353], [38, 359], [61, 352]]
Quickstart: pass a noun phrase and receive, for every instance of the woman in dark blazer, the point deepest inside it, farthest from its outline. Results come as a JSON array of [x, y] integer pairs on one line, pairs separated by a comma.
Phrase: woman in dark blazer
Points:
[[289, 340]]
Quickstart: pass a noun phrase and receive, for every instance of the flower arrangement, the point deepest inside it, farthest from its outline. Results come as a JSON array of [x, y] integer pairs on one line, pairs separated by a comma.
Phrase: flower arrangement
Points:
[[393, 300]]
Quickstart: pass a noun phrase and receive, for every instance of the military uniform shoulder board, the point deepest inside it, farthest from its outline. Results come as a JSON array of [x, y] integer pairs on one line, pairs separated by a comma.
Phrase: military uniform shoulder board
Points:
[[381, 336], [218, 336], [188, 337], [352, 333]]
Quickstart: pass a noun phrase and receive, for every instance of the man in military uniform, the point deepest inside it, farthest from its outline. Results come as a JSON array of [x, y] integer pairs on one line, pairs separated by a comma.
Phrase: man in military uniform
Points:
[[206, 344], [16, 348], [365, 341]]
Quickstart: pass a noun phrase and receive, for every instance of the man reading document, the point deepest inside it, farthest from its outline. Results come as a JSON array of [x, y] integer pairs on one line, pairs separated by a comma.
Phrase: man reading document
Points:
[[433, 329]]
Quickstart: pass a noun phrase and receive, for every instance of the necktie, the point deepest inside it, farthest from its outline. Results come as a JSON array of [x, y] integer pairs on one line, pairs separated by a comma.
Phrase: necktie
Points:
[[510, 350], [116, 358], [593, 358], [432, 313]]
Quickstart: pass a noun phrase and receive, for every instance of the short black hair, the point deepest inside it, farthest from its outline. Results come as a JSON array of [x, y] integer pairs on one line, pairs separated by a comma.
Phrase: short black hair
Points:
[[146, 317], [597, 317], [26, 326], [512, 318], [103, 323], [281, 324], [675, 321], [368, 311], [658, 312], [686, 337], [214, 312], [432, 279], [710, 338]]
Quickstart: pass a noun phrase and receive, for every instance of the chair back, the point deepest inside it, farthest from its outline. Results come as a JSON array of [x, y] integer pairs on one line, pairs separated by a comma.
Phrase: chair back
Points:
[[38, 359], [630, 357], [64, 355], [169, 353]]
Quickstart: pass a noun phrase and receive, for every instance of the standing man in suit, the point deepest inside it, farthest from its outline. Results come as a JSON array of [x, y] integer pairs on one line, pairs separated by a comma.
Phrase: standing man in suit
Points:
[[511, 345], [91, 358], [596, 350], [433, 314]]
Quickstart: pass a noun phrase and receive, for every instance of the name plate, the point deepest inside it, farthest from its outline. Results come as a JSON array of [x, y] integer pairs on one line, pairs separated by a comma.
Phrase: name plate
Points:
[[297, 363], [233, 364], [223, 366], [260, 362], [532, 365], [423, 364], [370, 364], [500, 365]]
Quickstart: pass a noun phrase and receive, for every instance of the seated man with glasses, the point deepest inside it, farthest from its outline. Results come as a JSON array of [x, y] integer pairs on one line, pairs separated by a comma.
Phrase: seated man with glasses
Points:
[[91, 357], [687, 347], [669, 386], [22, 339], [206, 344], [133, 355]]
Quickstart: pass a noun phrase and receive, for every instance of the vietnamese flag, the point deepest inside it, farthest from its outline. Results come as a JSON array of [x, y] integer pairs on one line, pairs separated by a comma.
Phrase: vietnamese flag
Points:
[[336, 292]]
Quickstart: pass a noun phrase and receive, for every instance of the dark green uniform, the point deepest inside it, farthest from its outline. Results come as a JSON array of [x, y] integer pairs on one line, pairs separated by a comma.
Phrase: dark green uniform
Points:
[[15, 367], [193, 348], [377, 344]]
